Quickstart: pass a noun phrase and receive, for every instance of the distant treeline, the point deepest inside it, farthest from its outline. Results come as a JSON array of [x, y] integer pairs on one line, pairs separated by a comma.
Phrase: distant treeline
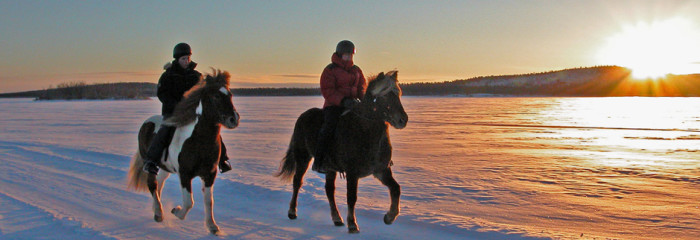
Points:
[[598, 81], [81, 90]]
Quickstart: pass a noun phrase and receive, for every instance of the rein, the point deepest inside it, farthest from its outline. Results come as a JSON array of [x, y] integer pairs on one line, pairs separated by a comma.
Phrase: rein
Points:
[[361, 116]]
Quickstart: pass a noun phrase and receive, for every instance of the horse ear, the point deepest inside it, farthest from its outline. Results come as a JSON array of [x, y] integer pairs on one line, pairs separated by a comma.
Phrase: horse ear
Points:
[[395, 74], [380, 75]]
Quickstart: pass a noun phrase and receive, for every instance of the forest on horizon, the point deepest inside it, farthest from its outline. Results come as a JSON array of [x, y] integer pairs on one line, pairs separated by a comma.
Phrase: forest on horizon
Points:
[[598, 81]]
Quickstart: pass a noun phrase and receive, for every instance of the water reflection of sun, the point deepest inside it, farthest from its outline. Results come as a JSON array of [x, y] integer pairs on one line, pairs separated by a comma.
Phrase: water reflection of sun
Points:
[[655, 49]]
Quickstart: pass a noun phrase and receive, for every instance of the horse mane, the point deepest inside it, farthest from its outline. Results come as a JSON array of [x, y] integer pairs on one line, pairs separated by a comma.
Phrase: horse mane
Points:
[[374, 80], [186, 110]]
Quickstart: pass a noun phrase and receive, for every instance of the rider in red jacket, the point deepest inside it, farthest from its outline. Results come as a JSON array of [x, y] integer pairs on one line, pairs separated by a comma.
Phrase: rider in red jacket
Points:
[[342, 86]]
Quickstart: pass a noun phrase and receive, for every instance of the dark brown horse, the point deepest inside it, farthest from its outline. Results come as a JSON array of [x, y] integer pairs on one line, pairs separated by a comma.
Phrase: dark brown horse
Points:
[[361, 147], [195, 147]]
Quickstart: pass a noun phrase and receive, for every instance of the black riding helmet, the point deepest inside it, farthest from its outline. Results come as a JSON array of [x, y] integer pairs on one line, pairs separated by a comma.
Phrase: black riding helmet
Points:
[[345, 46], [181, 49]]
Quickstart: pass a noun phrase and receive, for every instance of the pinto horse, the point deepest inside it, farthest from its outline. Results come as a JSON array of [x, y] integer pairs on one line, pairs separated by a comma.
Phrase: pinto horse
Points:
[[360, 148], [195, 147]]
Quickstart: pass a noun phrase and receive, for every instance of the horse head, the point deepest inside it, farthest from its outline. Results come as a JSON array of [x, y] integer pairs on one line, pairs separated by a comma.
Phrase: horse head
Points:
[[217, 100], [210, 99], [384, 96]]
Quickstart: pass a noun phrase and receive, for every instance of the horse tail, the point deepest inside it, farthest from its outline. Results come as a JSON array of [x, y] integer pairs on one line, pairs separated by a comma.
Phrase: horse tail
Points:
[[288, 165], [301, 145], [136, 176]]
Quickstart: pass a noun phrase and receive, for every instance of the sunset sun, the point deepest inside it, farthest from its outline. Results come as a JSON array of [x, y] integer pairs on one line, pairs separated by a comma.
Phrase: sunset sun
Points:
[[652, 50]]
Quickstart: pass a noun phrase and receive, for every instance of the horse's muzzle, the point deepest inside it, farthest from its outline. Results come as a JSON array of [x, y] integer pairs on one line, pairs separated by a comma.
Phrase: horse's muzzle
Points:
[[399, 122], [231, 122]]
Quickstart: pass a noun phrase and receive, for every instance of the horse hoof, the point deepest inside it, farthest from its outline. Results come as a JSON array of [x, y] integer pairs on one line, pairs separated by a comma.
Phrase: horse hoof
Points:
[[353, 230], [388, 220], [339, 224], [215, 232], [292, 216], [158, 218]]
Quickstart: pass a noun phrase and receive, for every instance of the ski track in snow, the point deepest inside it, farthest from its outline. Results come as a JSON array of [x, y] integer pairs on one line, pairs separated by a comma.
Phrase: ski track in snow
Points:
[[56, 192]]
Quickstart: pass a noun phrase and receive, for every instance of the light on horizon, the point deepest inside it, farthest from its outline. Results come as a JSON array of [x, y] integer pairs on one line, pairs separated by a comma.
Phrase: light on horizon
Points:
[[653, 50]]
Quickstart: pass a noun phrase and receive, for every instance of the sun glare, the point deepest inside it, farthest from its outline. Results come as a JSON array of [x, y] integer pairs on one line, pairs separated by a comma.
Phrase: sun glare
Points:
[[652, 50]]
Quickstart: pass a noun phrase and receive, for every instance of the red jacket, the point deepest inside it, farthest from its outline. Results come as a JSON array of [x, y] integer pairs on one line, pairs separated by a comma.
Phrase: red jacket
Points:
[[341, 79]]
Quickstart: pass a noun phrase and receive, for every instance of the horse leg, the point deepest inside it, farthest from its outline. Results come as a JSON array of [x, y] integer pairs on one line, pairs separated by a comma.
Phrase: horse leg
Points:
[[208, 192], [187, 201], [352, 199], [303, 160], [156, 193], [388, 180], [330, 193]]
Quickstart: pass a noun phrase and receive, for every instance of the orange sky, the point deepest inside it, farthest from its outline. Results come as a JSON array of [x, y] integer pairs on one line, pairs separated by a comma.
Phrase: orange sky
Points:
[[288, 43]]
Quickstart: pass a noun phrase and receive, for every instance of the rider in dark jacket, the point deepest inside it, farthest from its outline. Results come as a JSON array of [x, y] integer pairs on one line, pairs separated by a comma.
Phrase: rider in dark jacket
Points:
[[179, 76], [342, 86]]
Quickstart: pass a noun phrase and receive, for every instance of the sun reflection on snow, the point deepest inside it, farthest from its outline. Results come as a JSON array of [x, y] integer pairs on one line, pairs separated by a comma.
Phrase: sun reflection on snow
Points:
[[625, 112], [634, 131]]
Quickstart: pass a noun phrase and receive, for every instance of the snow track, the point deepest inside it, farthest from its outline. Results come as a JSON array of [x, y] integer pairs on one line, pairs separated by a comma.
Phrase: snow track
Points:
[[50, 192]]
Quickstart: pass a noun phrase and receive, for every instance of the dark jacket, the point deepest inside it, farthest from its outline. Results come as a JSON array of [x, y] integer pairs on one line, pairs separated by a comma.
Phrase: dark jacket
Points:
[[341, 79], [173, 84]]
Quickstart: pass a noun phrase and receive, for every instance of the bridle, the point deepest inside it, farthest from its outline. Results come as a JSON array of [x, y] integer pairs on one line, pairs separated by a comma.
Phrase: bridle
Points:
[[375, 114], [378, 95]]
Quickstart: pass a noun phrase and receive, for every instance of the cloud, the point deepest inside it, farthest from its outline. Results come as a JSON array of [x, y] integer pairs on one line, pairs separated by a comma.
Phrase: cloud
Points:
[[84, 75], [272, 85], [296, 75], [110, 74]]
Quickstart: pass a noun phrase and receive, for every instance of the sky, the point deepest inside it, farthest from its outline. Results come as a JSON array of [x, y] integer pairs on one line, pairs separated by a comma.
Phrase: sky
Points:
[[288, 43]]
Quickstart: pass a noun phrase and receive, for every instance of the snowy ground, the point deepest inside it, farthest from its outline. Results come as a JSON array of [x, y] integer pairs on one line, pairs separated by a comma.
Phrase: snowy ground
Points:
[[470, 168]]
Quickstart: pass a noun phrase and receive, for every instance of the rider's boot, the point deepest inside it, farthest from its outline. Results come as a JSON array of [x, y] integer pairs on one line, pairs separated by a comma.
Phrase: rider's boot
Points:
[[155, 150], [325, 136], [224, 165], [321, 152]]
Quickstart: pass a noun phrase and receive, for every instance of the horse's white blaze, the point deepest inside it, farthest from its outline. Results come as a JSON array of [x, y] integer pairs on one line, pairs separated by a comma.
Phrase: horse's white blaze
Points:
[[224, 90], [181, 135], [199, 109]]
